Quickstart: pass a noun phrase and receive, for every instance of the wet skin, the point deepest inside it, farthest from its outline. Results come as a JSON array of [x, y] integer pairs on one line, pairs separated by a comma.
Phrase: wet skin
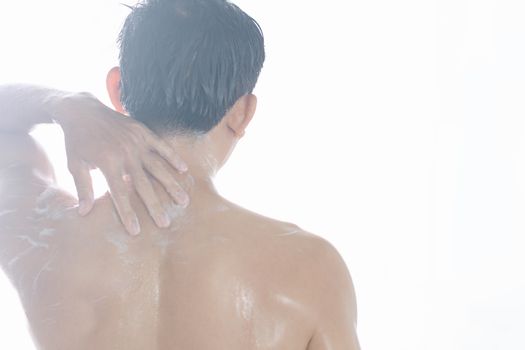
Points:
[[220, 277]]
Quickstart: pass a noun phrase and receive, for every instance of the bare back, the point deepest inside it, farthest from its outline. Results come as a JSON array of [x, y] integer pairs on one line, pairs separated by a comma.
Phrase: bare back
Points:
[[219, 278]]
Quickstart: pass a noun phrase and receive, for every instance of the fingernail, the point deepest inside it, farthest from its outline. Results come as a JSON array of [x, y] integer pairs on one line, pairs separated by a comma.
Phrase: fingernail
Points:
[[134, 227], [83, 208], [182, 166], [163, 220], [183, 199]]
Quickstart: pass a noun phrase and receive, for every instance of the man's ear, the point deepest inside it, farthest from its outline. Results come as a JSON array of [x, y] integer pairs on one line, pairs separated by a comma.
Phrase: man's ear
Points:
[[113, 86], [241, 114]]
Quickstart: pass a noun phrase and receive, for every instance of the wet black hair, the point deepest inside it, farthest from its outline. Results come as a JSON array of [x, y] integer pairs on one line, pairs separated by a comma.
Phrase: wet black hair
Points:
[[184, 63]]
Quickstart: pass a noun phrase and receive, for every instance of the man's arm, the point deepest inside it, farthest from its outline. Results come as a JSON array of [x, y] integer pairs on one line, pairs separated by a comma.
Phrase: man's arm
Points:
[[334, 302], [96, 137], [25, 171], [22, 107]]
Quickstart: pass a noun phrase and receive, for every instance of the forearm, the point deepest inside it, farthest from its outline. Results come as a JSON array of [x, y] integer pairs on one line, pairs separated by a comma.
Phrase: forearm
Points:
[[24, 106]]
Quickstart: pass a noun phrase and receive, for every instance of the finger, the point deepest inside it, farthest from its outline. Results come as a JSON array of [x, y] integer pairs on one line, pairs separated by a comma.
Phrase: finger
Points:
[[84, 185], [167, 203], [146, 192], [168, 153], [157, 168], [120, 197]]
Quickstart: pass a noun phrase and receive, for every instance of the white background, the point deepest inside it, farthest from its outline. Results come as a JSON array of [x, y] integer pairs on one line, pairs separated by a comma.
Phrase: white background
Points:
[[394, 129]]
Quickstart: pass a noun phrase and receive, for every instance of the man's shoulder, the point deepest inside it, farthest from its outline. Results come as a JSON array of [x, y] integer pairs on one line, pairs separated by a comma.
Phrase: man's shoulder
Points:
[[278, 242], [283, 232], [303, 266], [27, 178]]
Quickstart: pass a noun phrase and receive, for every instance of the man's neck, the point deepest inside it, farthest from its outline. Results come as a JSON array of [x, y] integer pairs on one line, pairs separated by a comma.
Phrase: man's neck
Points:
[[198, 153]]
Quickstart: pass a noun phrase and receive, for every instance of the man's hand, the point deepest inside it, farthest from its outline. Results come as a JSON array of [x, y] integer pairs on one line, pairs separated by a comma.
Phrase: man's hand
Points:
[[123, 149]]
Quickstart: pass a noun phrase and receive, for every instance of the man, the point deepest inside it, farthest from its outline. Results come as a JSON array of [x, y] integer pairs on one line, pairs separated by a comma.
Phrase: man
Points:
[[201, 275]]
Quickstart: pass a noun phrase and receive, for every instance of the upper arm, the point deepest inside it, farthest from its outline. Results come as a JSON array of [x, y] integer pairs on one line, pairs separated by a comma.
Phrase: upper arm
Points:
[[334, 302], [25, 171]]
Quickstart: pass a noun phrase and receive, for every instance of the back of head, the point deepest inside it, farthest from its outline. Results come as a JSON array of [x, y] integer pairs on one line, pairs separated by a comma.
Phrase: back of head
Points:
[[184, 63]]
